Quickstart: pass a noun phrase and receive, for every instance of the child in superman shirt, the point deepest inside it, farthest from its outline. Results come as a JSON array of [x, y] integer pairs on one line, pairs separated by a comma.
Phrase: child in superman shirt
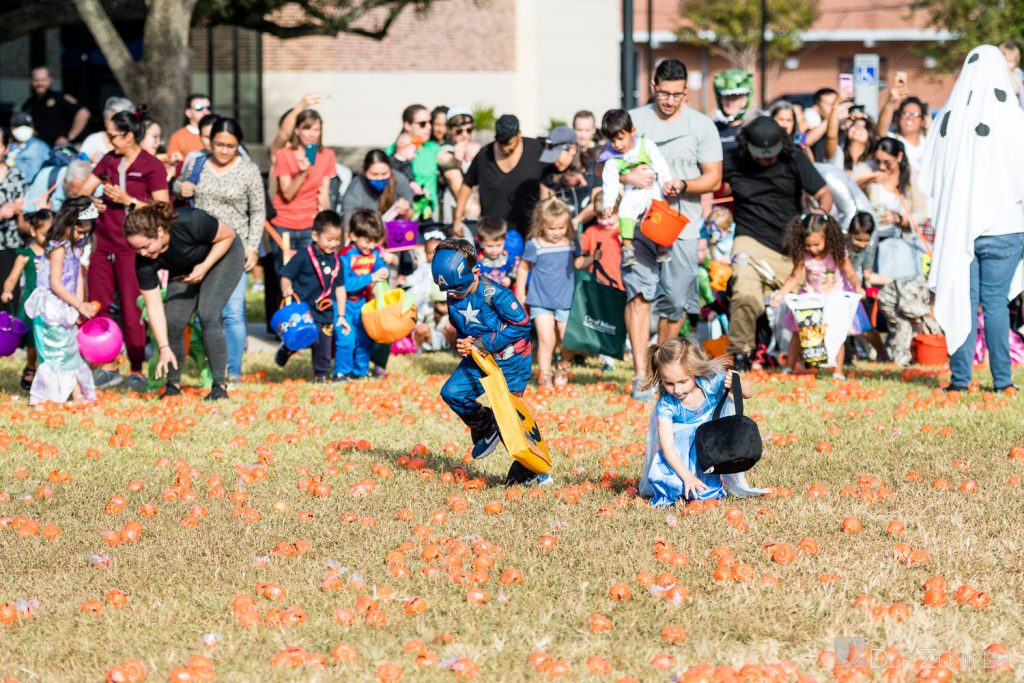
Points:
[[363, 265], [315, 277], [487, 316]]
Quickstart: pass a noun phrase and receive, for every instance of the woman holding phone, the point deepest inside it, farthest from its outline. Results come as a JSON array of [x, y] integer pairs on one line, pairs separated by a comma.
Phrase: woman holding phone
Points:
[[303, 171], [131, 178]]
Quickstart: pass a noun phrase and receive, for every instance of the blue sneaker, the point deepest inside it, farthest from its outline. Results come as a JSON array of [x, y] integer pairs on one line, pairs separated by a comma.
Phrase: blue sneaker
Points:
[[487, 445], [104, 379]]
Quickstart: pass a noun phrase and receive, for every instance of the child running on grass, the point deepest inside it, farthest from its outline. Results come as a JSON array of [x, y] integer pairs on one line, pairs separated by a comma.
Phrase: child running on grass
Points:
[[818, 251], [56, 305], [27, 262], [486, 316], [689, 387]]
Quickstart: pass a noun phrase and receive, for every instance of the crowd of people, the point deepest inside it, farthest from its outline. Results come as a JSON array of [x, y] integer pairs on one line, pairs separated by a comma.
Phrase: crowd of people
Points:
[[774, 204]]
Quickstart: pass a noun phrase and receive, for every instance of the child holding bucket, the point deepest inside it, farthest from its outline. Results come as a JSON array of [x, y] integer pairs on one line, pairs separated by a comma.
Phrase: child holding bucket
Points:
[[362, 262], [689, 385], [315, 277], [815, 243], [56, 305], [27, 262], [486, 316], [635, 150]]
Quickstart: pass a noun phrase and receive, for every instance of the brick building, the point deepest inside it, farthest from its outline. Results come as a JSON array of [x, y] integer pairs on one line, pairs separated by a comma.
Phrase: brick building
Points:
[[843, 28], [540, 60]]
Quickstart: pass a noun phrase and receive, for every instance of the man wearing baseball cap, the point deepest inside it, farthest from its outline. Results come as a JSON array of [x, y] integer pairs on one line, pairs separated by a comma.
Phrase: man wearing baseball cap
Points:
[[508, 173], [768, 178]]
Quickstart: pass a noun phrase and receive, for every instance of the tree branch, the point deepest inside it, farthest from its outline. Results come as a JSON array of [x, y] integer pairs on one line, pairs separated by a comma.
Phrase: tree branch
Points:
[[324, 24], [110, 42]]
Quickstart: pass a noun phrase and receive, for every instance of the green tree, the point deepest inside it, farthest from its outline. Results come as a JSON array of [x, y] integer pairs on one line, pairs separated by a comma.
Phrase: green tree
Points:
[[161, 77], [972, 23], [732, 28]]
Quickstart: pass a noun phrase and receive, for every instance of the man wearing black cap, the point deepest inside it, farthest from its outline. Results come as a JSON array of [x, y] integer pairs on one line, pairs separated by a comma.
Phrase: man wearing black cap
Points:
[[58, 117], [569, 177], [767, 177], [508, 173]]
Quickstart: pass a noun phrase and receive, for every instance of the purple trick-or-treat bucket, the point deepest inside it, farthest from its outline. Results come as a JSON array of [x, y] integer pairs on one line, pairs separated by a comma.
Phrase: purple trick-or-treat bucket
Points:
[[401, 234]]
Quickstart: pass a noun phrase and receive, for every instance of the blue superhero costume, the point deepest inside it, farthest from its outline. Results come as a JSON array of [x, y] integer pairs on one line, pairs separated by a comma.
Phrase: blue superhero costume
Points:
[[352, 350], [494, 316]]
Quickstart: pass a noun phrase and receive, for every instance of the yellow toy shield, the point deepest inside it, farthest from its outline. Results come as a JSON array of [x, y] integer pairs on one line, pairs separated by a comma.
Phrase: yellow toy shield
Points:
[[519, 431]]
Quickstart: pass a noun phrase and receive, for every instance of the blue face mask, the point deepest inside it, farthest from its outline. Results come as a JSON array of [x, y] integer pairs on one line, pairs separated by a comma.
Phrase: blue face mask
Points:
[[379, 185]]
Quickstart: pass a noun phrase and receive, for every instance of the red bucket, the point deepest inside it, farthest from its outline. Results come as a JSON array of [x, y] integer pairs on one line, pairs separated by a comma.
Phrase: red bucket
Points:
[[663, 224], [930, 349]]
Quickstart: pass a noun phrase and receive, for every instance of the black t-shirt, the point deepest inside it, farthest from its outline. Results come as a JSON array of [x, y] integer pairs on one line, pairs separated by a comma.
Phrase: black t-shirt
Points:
[[306, 284], [765, 200], [191, 239], [511, 195], [52, 114]]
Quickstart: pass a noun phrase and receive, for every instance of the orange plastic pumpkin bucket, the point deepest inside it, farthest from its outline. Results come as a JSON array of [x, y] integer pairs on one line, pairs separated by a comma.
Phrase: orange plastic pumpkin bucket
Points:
[[930, 349], [389, 316], [716, 347], [663, 224]]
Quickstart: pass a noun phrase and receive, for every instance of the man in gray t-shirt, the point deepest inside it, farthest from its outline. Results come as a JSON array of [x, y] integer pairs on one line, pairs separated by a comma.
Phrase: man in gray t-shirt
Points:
[[690, 143]]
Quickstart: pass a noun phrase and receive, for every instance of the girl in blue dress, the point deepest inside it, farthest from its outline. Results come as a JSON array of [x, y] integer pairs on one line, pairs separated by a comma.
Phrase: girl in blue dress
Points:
[[689, 387]]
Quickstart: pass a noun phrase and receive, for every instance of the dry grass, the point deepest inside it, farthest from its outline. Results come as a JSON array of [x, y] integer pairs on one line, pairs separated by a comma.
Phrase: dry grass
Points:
[[180, 582]]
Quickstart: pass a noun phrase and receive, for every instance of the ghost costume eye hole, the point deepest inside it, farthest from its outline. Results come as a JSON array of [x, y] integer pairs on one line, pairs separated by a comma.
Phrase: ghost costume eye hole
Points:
[[945, 124], [981, 129], [973, 58], [1000, 95]]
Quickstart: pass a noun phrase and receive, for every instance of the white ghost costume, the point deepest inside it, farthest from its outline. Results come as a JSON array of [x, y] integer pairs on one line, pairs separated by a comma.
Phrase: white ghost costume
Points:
[[973, 171]]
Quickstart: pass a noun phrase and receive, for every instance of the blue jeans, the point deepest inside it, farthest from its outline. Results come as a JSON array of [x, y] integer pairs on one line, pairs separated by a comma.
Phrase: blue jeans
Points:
[[995, 260], [234, 326]]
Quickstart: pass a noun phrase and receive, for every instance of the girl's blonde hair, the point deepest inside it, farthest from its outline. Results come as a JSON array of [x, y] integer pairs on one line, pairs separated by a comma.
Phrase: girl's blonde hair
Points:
[[546, 211], [687, 353]]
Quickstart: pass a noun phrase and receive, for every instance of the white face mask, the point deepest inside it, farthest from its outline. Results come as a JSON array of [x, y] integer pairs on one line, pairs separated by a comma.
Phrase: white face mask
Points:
[[22, 133]]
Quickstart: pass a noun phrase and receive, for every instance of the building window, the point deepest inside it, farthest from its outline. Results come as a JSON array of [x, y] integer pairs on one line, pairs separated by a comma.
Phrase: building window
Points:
[[227, 66]]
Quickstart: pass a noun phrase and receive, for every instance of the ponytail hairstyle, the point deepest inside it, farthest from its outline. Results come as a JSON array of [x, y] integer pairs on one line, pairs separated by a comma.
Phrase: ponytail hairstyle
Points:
[[147, 220], [803, 226], [387, 197], [40, 218], [63, 226], [687, 353], [548, 210], [132, 121]]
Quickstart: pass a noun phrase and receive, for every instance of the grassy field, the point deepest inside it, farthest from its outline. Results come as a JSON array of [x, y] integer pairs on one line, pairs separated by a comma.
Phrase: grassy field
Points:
[[344, 520]]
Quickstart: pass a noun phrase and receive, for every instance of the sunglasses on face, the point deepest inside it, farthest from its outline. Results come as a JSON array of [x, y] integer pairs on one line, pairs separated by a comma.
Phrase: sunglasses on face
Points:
[[201, 107], [421, 124], [462, 130]]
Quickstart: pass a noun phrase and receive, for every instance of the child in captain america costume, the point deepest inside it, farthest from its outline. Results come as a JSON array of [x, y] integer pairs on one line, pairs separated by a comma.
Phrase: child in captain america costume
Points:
[[363, 265], [489, 317]]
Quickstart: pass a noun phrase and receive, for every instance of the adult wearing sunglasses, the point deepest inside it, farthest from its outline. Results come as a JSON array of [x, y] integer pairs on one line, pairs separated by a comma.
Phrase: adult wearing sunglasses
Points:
[[186, 139], [131, 178], [453, 161], [416, 123]]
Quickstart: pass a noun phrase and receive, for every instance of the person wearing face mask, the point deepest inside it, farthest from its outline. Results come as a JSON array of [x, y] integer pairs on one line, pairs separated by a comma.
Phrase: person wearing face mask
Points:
[[12, 189], [378, 189], [26, 152]]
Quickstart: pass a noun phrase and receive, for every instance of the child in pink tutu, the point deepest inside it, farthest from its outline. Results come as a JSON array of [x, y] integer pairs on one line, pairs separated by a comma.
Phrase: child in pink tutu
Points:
[[815, 244], [56, 305]]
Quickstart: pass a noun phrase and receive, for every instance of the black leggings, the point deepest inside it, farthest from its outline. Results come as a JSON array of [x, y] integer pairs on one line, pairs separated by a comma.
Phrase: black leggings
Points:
[[209, 298]]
